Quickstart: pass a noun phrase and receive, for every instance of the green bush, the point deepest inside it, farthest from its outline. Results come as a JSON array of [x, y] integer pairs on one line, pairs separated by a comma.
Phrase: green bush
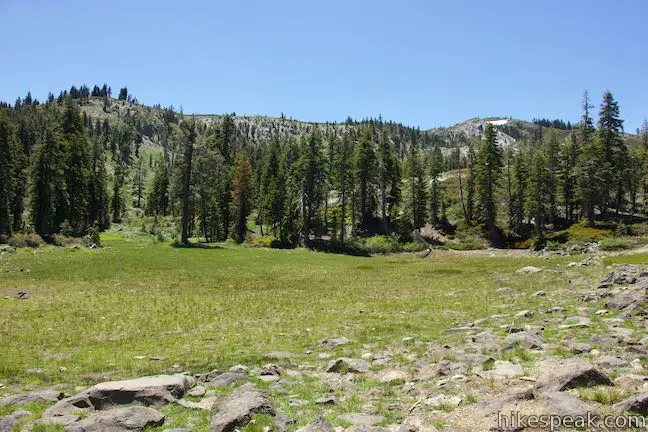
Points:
[[63, 240], [381, 244], [93, 237], [265, 241], [615, 244]]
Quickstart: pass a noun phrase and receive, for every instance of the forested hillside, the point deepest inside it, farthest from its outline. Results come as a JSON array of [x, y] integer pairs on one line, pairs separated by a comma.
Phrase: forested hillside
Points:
[[74, 164]]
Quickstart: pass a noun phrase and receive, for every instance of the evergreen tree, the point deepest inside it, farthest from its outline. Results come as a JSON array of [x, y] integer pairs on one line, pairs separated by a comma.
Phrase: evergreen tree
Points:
[[311, 184], [470, 183], [487, 173], [139, 181], [10, 163], [241, 194], [208, 179], [538, 201], [591, 165], [552, 150], [416, 196], [117, 202], [98, 205], [615, 174], [387, 172], [436, 193], [272, 186], [188, 131], [519, 189], [365, 171], [78, 152], [343, 178], [568, 175], [158, 196], [49, 195]]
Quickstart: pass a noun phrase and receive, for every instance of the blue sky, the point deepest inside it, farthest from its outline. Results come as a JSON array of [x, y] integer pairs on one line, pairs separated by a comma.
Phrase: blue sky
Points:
[[423, 63]]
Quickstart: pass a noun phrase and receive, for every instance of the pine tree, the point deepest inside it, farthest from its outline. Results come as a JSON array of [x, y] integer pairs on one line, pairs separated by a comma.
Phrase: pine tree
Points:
[[487, 173], [519, 189], [591, 165], [470, 183], [117, 202], [49, 195], [364, 171], [538, 200], [272, 186], [568, 175], [158, 196], [139, 180], [188, 131], [98, 205], [436, 193], [10, 163], [552, 149], [343, 178], [208, 180], [78, 151], [311, 168], [416, 195], [387, 171], [610, 128], [241, 194]]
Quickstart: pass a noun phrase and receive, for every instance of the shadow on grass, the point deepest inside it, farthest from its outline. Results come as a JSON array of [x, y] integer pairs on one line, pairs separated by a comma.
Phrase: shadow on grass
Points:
[[330, 246], [180, 245]]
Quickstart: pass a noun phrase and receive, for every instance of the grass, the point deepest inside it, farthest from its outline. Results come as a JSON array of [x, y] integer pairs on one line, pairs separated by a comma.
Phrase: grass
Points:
[[94, 311]]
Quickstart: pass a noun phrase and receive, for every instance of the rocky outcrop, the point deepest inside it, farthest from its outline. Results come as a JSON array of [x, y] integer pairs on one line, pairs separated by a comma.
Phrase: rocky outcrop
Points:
[[235, 410]]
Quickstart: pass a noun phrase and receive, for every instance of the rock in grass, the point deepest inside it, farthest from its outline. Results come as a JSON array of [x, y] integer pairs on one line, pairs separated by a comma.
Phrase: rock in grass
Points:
[[358, 419], [123, 419], [346, 365], [528, 270], [524, 339], [31, 397], [443, 401], [318, 425], [335, 341], [198, 391], [511, 396], [569, 374], [562, 404], [235, 410], [147, 391], [7, 423], [502, 369], [507, 291], [636, 404]]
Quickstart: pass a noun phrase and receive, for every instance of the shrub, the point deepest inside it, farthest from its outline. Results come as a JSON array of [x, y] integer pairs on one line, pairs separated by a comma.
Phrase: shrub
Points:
[[265, 241], [380, 244], [25, 240], [614, 244], [62, 240]]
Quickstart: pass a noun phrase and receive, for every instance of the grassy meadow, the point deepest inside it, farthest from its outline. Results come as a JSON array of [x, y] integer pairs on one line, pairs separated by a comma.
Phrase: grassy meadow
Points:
[[138, 307]]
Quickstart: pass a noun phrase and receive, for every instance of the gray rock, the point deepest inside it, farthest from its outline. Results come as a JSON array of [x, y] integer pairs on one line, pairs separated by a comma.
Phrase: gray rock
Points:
[[562, 404], [198, 391], [335, 341], [540, 293], [226, 379], [346, 365], [329, 400], [502, 369], [636, 404], [235, 410], [317, 425], [123, 419], [611, 361], [524, 339], [625, 299], [512, 396], [529, 270], [507, 291], [357, 419], [579, 348], [147, 391], [563, 375], [443, 400], [31, 397], [524, 314], [282, 422], [7, 423]]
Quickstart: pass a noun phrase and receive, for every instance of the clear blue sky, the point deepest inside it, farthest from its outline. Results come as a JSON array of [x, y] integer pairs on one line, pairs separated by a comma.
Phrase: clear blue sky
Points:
[[423, 63]]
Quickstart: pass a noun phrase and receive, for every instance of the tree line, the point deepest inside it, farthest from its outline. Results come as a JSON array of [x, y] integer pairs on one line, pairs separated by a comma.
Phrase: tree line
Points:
[[64, 172]]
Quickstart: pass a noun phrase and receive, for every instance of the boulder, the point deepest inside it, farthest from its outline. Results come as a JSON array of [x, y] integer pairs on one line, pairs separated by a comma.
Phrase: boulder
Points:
[[443, 401], [528, 270], [133, 418], [563, 375], [625, 299], [510, 397], [8, 422], [502, 369], [563, 404], [235, 410], [226, 379], [507, 291], [524, 339], [358, 419], [318, 425], [345, 365], [335, 341], [636, 404], [152, 390], [31, 397]]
